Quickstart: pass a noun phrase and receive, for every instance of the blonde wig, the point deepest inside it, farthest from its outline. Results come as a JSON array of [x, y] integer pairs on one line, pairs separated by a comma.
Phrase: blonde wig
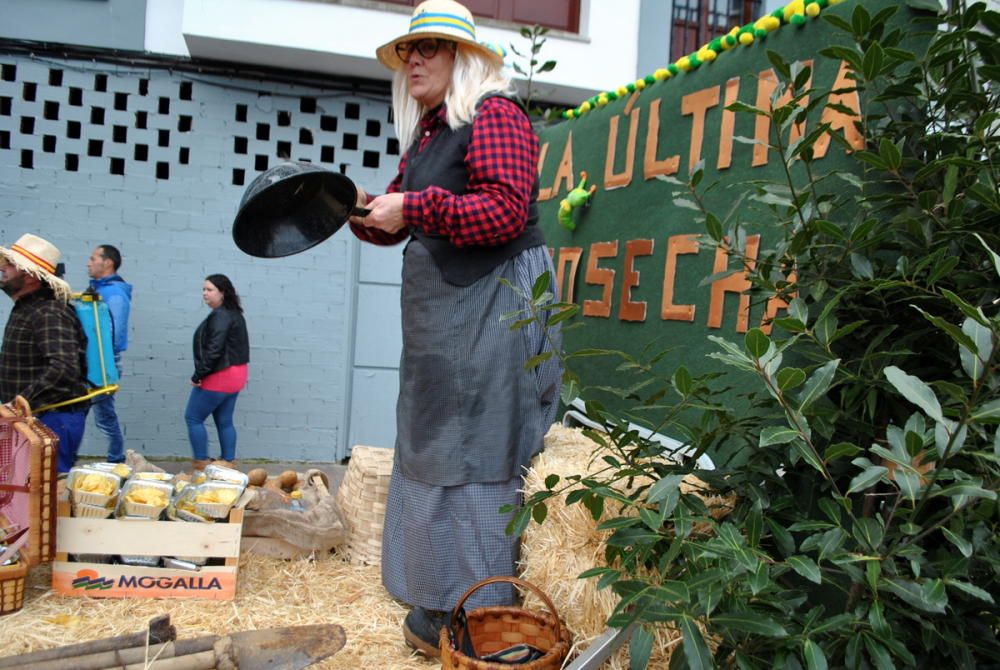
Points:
[[472, 77]]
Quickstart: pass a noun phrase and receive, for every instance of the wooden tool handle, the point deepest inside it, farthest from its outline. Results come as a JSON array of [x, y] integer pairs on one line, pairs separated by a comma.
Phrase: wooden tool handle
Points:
[[159, 631]]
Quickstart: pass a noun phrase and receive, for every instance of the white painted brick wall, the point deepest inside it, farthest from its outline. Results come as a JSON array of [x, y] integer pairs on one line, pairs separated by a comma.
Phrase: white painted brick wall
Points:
[[174, 231]]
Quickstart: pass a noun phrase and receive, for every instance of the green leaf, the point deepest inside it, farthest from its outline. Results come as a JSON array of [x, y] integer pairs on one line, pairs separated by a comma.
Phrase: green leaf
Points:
[[861, 20], [993, 254], [784, 540], [908, 482], [756, 342], [713, 226], [551, 481], [539, 511], [888, 151], [916, 391], [682, 380], [878, 654], [913, 594], [862, 267], [840, 450], [867, 478], [839, 622], [753, 623], [928, 5], [779, 64], [876, 618], [988, 413], [814, 656], [541, 285], [518, 522], [956, 333], [964, 546], [966, 490], [971, 590], [973, 313], [868, 531], [818, 384], [777, 435], [934, 594], [663, 488], [975, 354], [535, 361], [640, 648], [789, 378], [806, 567], [809, 455], [759, 579], [695, 650]]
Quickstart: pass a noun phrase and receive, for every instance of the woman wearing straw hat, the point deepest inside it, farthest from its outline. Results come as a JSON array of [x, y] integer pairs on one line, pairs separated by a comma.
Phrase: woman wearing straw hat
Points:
[[469, 415], [44, 349]]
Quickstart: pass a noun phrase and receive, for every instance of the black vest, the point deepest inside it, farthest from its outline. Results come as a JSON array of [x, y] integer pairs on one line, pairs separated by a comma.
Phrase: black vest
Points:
[[442, 163]]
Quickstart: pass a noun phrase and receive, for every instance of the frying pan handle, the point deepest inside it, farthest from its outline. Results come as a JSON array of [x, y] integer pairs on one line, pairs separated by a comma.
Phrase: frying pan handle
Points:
[[360, 211]]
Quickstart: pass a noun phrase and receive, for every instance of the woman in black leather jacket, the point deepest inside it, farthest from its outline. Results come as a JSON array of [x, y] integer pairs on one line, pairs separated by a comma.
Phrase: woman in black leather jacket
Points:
[[221, 366]]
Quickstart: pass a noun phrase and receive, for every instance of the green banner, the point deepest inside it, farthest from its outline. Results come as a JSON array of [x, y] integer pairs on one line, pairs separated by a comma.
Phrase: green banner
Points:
[[637, 260]]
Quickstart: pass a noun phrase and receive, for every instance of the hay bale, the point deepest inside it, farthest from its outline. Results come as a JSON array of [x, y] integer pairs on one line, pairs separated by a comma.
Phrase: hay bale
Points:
[[554, 553], [361, 498]]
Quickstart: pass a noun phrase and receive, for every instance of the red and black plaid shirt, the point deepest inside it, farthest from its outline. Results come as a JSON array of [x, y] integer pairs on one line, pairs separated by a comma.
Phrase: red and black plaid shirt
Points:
[[501, 160], [44, 351]]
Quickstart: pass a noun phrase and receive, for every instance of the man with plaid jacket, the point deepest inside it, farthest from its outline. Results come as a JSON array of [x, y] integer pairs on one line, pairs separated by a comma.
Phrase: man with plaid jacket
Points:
[[43, 357]]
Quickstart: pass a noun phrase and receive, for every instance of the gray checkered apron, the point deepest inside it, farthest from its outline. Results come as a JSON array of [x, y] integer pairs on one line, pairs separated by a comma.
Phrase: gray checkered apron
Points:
[[469, 419]]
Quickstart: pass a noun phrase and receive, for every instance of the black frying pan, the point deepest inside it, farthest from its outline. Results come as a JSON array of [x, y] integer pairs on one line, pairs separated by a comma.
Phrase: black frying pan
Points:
[[292, 207]]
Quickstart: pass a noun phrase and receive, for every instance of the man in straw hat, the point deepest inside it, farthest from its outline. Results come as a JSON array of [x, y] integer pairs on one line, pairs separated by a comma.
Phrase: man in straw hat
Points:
[[469, 415], [44, 351]]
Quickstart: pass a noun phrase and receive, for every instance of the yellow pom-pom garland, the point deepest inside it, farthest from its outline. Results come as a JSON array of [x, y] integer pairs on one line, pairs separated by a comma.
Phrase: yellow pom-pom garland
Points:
[[795, 12]]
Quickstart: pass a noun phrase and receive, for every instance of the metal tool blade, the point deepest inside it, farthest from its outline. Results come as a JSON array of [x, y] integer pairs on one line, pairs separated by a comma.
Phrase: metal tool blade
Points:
[[289, 648]]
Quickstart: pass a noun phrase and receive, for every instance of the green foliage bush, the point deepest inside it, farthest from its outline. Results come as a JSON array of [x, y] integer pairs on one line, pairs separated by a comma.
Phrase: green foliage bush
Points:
[[865, 533]]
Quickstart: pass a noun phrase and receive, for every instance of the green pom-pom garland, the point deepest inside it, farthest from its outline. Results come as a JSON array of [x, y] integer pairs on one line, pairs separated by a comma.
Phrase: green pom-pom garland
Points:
[[795, 13]]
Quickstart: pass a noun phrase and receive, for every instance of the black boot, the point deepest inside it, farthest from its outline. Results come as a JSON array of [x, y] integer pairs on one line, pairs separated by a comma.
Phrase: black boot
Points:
[[422, 630]]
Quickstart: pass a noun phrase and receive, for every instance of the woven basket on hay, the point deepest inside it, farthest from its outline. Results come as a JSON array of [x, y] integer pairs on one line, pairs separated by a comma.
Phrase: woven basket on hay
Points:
[[12, 579], [361, 497], [554, 553], [492, 629]]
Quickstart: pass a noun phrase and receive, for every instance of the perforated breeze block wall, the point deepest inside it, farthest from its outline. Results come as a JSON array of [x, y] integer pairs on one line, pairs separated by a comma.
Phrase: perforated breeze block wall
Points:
[[156, 162]]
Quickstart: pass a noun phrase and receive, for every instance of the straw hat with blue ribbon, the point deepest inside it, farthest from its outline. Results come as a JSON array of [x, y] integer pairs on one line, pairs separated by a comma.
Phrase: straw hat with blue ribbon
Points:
[[444, 19]]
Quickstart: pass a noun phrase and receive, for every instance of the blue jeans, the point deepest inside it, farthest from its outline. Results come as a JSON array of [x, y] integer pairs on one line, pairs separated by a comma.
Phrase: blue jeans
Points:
[[220, 406], [107, 422], [68, 427]]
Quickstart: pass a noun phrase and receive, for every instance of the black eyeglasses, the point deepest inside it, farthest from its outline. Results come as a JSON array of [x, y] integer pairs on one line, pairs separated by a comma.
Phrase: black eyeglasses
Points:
[[427, 48]]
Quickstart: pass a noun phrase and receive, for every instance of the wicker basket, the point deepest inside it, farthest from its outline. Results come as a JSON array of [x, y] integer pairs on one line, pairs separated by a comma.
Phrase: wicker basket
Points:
[[361, 498], [493, 629], [12, 578], [28, 450]]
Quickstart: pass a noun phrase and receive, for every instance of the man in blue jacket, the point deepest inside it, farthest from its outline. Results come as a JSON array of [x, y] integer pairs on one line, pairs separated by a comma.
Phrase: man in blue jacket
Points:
[[117, 293]]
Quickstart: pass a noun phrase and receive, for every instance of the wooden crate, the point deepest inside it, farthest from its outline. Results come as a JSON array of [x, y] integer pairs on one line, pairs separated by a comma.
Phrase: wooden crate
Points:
[[146, 538]]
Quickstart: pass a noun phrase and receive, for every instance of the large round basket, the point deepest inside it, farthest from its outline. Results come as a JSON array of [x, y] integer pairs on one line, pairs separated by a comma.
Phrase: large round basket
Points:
[[493, 629]]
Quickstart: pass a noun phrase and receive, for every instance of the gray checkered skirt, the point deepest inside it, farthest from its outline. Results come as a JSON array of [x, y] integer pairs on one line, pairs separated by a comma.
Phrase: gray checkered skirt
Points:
[[469, 419]]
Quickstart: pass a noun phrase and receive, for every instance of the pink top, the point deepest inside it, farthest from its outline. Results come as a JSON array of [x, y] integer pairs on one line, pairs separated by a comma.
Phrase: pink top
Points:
[[227, 380]]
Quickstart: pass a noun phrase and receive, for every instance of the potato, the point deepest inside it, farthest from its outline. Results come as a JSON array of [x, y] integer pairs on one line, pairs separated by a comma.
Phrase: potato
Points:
[[288, 479], [257, 476]]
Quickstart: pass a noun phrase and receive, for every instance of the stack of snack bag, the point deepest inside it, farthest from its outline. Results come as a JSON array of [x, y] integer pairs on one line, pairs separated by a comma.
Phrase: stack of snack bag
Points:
[[103, 489]]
